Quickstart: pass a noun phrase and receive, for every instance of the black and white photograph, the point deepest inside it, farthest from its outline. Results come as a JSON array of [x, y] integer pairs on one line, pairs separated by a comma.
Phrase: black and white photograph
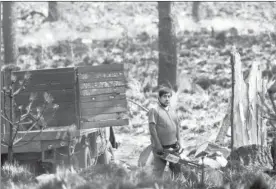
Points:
[[138, 94]]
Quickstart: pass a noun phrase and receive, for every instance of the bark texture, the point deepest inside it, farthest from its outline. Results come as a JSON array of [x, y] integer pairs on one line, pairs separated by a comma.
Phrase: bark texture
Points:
[[167, 46]]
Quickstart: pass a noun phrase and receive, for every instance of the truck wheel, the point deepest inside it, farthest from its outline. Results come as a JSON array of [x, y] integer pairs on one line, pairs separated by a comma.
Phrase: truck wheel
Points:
[[82, 159], [104, 158], [85, 160]]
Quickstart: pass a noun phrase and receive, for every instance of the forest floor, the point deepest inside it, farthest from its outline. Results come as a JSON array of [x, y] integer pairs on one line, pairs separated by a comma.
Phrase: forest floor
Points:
[[126, 32]]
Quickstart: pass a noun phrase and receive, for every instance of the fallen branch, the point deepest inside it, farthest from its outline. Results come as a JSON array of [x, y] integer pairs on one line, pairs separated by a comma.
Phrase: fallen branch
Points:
[[32, 13], [145, 109]]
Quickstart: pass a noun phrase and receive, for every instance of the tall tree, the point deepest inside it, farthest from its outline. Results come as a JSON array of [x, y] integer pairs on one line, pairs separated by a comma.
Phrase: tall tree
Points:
[[52, 11], [10, 54], [0, 75], [167, 46], [195, 11], [10, 49]]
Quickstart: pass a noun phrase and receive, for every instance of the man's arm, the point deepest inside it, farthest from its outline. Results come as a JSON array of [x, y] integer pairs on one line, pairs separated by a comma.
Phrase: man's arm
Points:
[[178, 133], [152, 129]]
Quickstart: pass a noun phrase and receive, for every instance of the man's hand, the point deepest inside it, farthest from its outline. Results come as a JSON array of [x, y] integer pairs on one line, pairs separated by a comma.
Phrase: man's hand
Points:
[[159, 149], [179, 145]]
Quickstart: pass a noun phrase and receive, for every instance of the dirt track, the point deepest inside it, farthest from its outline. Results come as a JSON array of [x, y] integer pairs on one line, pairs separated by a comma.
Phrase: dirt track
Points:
[[131, 147]]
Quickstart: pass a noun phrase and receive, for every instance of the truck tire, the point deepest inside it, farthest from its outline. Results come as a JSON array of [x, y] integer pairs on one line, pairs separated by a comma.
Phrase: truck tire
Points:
[[85, 158]]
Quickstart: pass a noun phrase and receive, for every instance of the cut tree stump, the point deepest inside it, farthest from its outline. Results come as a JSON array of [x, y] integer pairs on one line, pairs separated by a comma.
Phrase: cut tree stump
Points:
[[249, 127], [251, 155]]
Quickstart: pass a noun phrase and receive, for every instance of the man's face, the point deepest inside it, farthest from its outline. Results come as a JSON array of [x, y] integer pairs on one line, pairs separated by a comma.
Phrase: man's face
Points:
[[165, 99]]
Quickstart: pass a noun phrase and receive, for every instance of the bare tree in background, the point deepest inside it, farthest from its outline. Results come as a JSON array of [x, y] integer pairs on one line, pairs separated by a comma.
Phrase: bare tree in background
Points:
[[195, 11], [10, 53], [167, 46], [52, 11]]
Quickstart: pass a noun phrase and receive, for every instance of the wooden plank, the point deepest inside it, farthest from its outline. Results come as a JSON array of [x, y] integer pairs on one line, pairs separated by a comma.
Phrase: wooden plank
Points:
[[110, 103], [104, 97], [95, 77], [63, 106], [46, 78], [99, 124], [101, 68], [90, 92], [67, 95], [46, 71], [55, 134], [101, 117], [48, 87], [54, 144], [33, 146], [102, 84], [87, 131], [92, 79], [105, 110]]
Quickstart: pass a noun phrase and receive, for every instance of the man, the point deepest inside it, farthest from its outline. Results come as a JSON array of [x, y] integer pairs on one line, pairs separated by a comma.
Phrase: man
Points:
[[165, 132]]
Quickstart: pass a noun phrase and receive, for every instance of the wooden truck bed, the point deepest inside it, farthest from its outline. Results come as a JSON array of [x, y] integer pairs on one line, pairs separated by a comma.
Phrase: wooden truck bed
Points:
[[88, 97]]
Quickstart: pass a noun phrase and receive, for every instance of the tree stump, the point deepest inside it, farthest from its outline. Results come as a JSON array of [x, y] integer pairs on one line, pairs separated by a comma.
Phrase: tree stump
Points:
[[251, 155], [273, 153]]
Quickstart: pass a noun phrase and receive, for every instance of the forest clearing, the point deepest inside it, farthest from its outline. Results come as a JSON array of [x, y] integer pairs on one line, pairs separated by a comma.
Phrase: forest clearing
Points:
[[218, 57]]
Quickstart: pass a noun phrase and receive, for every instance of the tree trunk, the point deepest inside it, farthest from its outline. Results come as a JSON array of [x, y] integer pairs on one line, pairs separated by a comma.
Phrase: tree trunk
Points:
[[10, 55], [167, 46], [1, 105], [52, 11], [195, 11]]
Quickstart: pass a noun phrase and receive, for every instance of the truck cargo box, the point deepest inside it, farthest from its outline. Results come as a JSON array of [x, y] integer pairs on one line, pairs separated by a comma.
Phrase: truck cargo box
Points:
[[88, 97]]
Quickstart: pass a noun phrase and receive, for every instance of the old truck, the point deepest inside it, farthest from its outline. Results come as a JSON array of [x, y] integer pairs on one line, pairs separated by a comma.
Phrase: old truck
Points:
[[91, 102]]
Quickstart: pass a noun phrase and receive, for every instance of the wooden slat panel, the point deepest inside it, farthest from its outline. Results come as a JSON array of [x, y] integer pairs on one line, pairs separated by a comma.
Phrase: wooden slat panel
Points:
[[104, 97], [49, 79], [67, 95], [63, 118], [90, 92], [101, 117], [65, 114], [101, 84], [122, 122], [106, 110], [110, 103], [101, 68]]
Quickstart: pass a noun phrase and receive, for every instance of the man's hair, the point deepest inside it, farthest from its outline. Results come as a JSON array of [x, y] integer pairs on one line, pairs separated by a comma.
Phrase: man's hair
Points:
[[163, 91]]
